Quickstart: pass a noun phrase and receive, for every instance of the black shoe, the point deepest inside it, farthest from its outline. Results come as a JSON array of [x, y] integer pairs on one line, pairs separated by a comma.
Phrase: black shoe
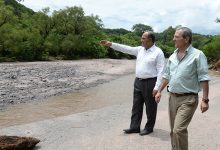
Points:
[[129, 131], [145, 132]]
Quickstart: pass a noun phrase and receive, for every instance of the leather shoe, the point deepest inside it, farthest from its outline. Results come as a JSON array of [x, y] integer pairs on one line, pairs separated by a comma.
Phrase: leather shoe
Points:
[[129, 131], [145, 132]]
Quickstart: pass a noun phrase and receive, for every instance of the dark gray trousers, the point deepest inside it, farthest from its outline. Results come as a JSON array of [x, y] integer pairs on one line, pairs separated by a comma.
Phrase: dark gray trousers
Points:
[[143, 94]]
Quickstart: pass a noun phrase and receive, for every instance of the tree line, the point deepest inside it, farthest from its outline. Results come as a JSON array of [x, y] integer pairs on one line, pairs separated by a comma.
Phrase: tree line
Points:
[[70, 34]]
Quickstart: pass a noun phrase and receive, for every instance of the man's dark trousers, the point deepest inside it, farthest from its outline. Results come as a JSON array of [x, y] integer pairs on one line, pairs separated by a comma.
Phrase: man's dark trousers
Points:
[[143, 89]]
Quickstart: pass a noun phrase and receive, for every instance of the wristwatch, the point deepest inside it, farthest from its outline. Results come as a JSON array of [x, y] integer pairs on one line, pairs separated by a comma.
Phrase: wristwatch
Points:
[[206, 100]]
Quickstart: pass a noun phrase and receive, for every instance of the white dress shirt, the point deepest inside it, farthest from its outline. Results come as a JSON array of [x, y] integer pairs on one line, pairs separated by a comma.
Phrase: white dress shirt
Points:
[[149, 63]]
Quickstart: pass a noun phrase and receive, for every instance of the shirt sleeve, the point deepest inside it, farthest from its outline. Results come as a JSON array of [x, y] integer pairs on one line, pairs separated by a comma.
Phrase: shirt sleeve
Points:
[[125, 49], [166, 74], [202, 68], [160, 68]]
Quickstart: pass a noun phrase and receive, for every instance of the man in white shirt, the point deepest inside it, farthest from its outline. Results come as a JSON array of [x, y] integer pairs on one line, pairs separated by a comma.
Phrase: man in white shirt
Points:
[[149, 67]]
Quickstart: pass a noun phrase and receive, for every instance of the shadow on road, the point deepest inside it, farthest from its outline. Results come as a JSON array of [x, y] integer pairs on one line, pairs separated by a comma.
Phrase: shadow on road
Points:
[[161, 134]]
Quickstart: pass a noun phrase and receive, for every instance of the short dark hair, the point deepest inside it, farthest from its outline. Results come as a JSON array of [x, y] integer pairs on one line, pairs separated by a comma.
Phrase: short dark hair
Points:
[[186, 33], [151, 36]]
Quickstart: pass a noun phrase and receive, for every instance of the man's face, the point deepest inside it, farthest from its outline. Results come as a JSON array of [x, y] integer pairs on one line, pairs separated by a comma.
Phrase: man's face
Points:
[[179, 40], [145, 41]]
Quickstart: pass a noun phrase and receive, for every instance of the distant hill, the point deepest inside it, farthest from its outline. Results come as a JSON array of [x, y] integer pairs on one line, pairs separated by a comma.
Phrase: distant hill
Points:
[[116, 31], [18, 8]]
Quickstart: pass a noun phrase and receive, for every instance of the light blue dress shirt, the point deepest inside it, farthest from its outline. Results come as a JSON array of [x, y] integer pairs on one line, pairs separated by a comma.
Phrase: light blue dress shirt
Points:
[[184, 76]]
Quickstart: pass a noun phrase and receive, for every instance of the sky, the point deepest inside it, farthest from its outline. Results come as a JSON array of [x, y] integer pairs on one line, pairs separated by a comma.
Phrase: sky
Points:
[[198, 15]]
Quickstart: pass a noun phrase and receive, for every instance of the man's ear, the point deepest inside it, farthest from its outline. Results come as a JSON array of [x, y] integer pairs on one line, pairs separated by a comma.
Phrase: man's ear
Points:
[[187, 39]]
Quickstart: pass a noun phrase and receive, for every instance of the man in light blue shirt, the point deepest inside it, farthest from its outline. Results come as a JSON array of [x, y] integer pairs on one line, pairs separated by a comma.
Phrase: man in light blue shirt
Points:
[[185, 73]]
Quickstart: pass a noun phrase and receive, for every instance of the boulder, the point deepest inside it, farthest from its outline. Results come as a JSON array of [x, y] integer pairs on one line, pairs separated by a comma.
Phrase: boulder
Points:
[[17, 143]]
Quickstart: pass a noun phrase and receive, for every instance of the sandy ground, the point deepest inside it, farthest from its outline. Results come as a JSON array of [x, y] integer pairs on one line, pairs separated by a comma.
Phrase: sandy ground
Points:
[[34, 81]]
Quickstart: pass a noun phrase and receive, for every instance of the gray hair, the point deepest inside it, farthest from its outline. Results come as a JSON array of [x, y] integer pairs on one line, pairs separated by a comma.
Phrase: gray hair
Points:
[[186, 33]]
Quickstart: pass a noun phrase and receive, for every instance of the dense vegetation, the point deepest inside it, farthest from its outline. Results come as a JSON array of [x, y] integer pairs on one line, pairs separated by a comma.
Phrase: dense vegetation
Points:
[[70, 34]]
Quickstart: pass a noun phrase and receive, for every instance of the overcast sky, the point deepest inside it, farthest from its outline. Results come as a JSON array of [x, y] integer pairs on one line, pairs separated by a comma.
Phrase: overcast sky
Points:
[[199, 15]]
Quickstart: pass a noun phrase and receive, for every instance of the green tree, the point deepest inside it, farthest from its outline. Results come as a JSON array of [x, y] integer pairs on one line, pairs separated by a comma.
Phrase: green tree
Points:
[[6, 14], [165, 41], [18, 8], [128, 39], [79, 34], [116, 31], [140, 28], [42, 22], [7, 18], [212, 50], [167, 36], [52, 44], [91, 37], [69, 20], [199, 41]]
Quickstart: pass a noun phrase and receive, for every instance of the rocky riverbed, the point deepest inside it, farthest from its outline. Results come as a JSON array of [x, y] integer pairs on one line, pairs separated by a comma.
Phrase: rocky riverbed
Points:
[[21, 82]]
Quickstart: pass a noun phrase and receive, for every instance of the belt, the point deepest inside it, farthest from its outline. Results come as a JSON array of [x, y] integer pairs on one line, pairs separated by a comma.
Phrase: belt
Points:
[[183, 94], [142, 79]]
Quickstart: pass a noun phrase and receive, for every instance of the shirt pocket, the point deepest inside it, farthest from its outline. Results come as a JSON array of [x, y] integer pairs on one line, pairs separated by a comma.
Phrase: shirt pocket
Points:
[[190, 68], [150, 60]]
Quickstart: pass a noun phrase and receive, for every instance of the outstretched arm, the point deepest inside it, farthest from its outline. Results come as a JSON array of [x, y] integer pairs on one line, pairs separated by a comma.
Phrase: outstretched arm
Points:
[[121, 47]]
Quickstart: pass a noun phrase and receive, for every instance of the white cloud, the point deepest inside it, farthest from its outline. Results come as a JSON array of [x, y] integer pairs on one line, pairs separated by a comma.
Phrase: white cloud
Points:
[[198, 15]]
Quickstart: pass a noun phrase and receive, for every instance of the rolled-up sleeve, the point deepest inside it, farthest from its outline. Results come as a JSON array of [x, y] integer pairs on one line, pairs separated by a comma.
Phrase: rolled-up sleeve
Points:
[[202, 68], [166, 74], [160, 68]]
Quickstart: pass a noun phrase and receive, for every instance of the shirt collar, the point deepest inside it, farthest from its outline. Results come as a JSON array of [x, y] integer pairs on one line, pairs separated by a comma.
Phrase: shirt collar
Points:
[[151, 48], [187, 50]]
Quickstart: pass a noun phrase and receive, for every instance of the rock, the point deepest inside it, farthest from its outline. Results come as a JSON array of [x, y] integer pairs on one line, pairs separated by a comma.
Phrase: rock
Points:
[[13, 77], [17, 143], [211, 66], [217, 66]]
